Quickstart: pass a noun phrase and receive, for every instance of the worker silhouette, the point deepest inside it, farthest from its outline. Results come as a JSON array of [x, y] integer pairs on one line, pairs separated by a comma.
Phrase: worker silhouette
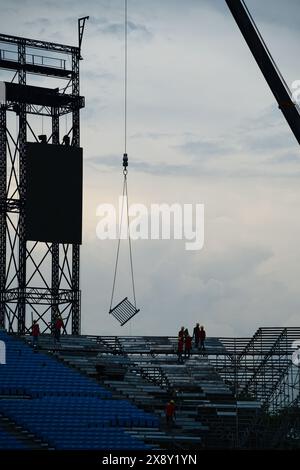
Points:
[[181, 332], [202, 338], [170, 413], [58, 325], [187, 346], [196, 335], [35, 332]]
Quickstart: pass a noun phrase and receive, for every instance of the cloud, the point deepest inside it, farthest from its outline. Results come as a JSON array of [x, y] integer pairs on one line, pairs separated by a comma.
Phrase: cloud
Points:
[[117, 29], [247, 159], [276, 12], [285, 159], [92, 75], [43, 22], [203, 126], [152, 135], [234, 263], [249, 152], [271, 12], [114, 161], [206, 148]]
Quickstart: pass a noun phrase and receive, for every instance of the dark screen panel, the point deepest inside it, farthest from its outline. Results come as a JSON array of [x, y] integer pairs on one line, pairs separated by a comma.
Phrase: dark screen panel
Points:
[[53, 208]]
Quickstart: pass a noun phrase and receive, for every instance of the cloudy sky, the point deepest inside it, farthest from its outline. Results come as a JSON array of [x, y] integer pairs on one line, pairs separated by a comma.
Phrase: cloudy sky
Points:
[[203, 127]]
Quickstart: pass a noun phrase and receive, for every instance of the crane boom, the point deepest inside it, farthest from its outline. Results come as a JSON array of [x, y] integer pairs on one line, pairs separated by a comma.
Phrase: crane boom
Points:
[[266, 64]]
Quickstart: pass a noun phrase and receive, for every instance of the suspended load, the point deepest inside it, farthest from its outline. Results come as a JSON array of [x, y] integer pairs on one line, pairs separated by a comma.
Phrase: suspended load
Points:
[[124, 311]]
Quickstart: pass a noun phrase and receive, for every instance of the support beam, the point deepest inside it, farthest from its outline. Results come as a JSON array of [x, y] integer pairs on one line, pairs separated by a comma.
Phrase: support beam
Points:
[[3, 177], [266, 64], [55, 246], [76, 248], [22, 186]]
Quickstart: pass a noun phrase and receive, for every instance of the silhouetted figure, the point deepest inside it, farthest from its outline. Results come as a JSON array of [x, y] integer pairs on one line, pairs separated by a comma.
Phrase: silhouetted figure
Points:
[[181, 332], [35, 331], [187, 346], [196, 335], [180, 349], [202, 338], [170, 413], [66, 140], [42, 138], [57, 327]]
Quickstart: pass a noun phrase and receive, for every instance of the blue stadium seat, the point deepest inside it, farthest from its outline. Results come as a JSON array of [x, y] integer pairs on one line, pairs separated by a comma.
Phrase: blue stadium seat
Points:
[[61, 406], [8, 441]]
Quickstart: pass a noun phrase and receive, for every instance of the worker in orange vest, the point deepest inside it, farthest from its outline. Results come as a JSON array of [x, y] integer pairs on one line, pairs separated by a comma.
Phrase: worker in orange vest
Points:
[[35, 331], [170, 413], [187, 346]]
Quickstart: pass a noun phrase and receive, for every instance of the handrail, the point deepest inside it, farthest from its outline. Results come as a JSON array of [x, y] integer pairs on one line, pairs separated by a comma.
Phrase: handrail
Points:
[[34, 59]]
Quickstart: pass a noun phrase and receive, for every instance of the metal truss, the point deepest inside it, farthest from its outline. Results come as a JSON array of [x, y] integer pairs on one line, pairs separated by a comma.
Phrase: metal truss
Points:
[[2, 213], [34, 43], [47, 110], [36, 278], [261, 367]]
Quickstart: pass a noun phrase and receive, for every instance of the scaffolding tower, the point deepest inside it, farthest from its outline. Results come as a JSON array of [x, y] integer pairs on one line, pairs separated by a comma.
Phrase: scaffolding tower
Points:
[[37, 279], [264, 367]]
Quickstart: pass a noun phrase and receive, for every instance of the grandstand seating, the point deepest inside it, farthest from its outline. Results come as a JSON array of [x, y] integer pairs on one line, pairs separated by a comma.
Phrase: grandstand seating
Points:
[[63, 407], [110, 393], [145, 370], [9, 441]]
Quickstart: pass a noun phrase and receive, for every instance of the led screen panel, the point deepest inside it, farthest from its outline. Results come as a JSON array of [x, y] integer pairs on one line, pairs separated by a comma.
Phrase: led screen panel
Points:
[[53, 200]]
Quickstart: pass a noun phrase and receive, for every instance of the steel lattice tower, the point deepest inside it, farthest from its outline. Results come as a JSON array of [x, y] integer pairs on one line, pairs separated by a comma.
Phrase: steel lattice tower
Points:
[[36, 278]]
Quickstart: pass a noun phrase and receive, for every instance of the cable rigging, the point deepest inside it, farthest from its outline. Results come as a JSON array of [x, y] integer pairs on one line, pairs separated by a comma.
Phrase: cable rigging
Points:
[[124, 310]]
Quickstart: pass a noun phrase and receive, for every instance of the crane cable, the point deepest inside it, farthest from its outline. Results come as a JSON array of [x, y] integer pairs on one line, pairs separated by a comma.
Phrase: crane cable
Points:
[[125, 171]]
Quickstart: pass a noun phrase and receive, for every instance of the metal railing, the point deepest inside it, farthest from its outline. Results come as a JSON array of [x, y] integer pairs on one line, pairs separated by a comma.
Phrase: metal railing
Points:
[[34, 59]]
